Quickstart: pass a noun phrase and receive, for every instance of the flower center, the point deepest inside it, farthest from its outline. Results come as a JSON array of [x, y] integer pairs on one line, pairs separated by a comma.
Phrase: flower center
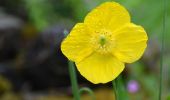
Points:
[[102, 40]]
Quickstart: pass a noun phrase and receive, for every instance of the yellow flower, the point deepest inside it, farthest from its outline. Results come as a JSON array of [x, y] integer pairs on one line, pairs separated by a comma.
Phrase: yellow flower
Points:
[[104, 43]]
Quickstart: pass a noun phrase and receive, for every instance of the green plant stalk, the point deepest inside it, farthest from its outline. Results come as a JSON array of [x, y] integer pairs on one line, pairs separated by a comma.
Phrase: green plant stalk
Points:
[[73, 78], [162, 49], [114, 89], [119, 88], [88, 90]]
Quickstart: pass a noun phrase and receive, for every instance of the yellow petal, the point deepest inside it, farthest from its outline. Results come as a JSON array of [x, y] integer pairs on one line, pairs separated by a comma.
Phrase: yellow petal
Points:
[[100, 68], [109, 15], [76, 46], [130, 43]]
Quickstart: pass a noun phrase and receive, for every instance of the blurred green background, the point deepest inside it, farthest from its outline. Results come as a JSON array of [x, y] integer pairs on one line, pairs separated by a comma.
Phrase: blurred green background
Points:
[[33, 68]]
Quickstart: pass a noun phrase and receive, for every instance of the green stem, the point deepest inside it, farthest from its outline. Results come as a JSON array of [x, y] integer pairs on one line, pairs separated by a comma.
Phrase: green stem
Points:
[[86, 89], [119, 88], [162, 49], [73, 78], [114, 89]]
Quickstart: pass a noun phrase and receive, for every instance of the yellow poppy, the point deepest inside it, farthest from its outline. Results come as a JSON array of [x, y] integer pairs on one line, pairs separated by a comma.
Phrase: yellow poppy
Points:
[[104, 42]]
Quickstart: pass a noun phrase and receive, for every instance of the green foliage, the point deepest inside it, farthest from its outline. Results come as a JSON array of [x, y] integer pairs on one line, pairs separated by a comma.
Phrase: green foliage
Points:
[[41, 12]]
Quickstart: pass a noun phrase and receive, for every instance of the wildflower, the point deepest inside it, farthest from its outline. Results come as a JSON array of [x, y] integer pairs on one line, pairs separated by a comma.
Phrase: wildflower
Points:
[[104, 42], [133, 86]]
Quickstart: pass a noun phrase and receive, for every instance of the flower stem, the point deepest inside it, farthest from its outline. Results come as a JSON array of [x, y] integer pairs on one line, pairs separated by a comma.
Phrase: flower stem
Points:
[[162, 48], [73, 78], [86, 89], [119, 88], [114, 89]]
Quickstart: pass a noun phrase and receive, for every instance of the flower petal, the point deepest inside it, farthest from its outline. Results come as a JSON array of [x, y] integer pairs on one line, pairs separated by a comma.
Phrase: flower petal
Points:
[[100, 68], [109, 15], [130, 43], [76, 46]]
